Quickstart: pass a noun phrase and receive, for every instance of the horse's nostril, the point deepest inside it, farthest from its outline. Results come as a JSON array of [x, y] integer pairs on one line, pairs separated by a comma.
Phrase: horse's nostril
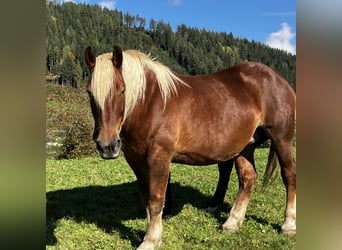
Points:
[[98, 145], [115, 143], [111, 146]]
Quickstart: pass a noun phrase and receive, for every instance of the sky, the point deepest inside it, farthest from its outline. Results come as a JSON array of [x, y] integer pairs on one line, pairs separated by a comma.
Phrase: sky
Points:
[[271, 22]]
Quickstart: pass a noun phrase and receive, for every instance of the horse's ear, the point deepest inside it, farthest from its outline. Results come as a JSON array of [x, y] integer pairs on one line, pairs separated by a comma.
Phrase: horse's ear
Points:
[[90, 57], [117, 56]]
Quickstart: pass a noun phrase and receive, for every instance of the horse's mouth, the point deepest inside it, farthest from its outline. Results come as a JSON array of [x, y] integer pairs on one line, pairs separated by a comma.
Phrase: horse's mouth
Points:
[[112, 151], [107, 155]]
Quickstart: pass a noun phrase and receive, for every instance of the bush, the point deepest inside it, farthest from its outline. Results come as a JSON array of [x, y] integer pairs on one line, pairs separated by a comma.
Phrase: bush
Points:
[[69, 123], [77, 141]]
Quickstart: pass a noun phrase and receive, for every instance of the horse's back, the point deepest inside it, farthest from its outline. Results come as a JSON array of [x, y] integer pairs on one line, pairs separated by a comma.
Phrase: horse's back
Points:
[[248, 85]]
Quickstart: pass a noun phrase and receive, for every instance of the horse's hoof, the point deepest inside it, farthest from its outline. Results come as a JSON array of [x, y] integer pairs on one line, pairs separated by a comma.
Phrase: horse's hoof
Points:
[[148, 245], [212, 209], [288, 231], [289, 228], [230, 230]]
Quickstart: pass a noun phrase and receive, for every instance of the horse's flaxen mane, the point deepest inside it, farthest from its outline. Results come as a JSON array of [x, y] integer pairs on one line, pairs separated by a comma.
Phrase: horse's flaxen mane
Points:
[[134, 67]]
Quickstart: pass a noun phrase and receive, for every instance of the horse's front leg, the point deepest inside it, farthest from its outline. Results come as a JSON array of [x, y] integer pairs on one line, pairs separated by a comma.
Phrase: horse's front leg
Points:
[[158, 167]]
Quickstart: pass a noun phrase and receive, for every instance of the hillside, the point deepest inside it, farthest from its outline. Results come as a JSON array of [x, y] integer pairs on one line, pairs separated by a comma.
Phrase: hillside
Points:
[[72, 27]]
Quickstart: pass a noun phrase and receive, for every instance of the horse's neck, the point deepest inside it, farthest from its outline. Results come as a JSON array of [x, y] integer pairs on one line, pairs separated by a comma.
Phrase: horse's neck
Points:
[[143, 108]]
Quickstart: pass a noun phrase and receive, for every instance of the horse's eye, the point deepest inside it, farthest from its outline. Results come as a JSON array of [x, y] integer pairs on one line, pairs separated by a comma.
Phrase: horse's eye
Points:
[[122, 91]]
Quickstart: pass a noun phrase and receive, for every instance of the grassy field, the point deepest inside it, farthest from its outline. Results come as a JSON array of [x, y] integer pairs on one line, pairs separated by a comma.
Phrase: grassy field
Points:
[[94, 204]]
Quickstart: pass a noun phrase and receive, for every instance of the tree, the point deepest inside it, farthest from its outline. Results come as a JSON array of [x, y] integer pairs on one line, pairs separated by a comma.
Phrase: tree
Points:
[[70, 71], [71, 27]]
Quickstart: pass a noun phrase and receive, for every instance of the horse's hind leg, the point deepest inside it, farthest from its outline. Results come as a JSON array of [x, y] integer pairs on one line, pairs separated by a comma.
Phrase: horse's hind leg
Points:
[[225, 169], [288, 172], [244, 164]]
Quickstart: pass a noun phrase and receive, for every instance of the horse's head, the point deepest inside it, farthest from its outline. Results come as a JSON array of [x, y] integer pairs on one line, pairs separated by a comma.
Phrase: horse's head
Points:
[[106, 88]]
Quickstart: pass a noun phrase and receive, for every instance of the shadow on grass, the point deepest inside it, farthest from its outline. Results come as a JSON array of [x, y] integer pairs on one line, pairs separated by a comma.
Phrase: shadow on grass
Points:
[[264, 222], [108, 206]]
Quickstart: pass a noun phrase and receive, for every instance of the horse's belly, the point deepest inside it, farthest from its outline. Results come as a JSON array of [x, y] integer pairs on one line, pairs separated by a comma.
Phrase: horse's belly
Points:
[[192, 158], [212, 149]]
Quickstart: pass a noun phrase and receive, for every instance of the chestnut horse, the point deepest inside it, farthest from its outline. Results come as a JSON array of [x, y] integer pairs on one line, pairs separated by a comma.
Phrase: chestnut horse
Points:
[[158, 117]]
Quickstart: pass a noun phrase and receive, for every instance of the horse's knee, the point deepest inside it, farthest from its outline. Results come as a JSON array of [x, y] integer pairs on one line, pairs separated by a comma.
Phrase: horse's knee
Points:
[[249, 180], [156, 204]]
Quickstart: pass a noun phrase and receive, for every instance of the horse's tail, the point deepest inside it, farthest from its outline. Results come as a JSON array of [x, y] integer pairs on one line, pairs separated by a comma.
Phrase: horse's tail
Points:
[[270, 167]]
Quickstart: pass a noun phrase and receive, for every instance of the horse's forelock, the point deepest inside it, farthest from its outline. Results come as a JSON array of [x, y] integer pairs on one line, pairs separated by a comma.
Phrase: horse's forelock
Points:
[[102, 79]]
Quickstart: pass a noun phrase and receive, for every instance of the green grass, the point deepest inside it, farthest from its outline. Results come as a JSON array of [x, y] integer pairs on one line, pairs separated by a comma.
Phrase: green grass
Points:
[[94, 204]]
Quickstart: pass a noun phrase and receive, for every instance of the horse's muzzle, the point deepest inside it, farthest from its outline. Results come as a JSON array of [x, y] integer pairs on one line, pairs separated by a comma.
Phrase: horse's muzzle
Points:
[[110, 151]]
